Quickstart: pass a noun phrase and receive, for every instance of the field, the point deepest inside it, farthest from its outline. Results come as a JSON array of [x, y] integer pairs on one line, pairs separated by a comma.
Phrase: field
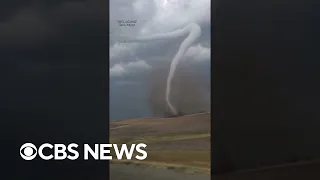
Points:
[[181, 143]]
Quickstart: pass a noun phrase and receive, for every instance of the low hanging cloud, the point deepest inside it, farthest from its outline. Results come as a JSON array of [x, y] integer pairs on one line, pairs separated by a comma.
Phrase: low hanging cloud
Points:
[[122, 69], [195, 54], [119, 50], [198, 53]]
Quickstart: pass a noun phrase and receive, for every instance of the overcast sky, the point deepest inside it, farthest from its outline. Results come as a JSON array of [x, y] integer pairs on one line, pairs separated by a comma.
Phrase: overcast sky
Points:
[[132, 63]]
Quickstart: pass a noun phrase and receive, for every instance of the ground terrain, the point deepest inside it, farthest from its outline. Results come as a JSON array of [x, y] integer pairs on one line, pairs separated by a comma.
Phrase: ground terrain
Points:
[[180, 143]]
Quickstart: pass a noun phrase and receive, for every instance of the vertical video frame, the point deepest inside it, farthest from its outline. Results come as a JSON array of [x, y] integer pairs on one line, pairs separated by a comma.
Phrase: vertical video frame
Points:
[[160, 88]]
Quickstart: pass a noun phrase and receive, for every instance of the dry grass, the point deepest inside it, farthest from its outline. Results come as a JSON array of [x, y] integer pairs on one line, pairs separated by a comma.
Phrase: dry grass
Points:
[[187, 158], [181, 143], [177, 167], [160, 126]]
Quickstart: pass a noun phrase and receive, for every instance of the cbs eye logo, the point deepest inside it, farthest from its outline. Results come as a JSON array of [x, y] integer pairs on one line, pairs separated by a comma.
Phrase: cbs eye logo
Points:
[[28, 151]]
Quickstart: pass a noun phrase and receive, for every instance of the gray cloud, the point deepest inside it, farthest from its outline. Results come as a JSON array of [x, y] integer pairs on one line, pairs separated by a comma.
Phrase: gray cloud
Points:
[[153, 18], [131, 67]]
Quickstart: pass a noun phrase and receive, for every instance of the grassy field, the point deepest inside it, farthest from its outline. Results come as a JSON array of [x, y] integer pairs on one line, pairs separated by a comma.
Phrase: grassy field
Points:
[[181, 143]]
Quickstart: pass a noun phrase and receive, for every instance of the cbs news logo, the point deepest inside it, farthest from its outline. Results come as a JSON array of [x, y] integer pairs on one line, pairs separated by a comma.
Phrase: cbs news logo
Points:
[[29, 151]]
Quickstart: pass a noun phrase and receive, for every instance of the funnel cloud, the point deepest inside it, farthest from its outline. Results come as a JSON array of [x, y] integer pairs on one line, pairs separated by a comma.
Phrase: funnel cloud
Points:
[[190, 91], [194, 32], [171, 38]]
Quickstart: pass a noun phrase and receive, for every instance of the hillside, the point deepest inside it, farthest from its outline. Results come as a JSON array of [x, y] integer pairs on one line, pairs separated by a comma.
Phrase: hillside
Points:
[[181, 142]]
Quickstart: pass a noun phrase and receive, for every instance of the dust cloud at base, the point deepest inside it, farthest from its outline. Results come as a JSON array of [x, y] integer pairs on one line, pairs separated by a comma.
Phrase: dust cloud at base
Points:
[[190, 91]]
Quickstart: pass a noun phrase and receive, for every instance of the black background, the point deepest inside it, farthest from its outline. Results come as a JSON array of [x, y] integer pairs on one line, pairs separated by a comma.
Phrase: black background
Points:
[[54, 60], [265, 74]]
